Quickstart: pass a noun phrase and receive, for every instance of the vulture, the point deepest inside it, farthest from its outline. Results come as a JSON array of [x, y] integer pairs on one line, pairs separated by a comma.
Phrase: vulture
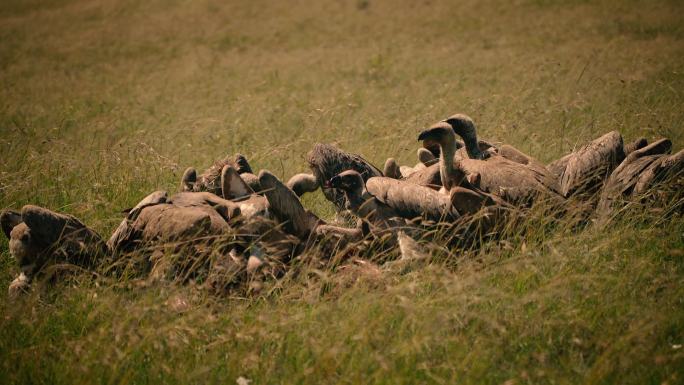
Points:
[[584, 171], [387, 203], [382, 199], [210, 179], [280, 203], [213, 232], [641, 170], [39, 237], [515, 182], [301, 222], [504, 150], [326, 161], [427, 172], [160, 219]]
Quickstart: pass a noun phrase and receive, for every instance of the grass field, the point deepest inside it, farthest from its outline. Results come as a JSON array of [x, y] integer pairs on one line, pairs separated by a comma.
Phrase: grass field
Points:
[[102, 102]]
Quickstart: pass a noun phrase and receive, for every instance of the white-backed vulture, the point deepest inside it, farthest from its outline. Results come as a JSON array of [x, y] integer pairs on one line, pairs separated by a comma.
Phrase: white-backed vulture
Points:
[[558, 166], [387, 203], [39, 237], [641, 170], [210, 179], [383, 198], [585, 170], [326, 161], [158, 219], [410, 200], [514, 182], [363, 204]]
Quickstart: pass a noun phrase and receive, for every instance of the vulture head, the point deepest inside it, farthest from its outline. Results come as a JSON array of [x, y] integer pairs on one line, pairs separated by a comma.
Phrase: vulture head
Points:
[[463, 126], [426, 157], [438, 134], [188, 179], [349, 181]]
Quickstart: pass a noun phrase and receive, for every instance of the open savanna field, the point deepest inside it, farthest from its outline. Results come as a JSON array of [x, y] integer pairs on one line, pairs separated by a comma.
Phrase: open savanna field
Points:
[[104, 101]]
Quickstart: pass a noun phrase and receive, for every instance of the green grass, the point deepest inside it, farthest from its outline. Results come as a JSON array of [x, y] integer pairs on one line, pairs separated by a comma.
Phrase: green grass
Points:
[[103, 102]]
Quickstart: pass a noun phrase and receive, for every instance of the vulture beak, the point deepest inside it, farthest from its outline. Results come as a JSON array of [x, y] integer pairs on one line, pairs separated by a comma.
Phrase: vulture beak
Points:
[[425, 134], [333, 182]]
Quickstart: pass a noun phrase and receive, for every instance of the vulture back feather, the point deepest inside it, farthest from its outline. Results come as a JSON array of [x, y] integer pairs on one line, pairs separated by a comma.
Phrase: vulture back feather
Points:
[[428, 176]]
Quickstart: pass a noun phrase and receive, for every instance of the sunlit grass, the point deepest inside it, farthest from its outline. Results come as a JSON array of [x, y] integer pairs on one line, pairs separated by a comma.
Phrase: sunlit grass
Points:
[[104, 102]]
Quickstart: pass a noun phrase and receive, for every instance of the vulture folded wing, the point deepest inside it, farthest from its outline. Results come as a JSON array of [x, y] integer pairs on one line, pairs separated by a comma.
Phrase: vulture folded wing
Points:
[[511, 181], [662, 170], [428, 176], [163, 223], [623, 180], [232, 186], [410, 200], [152, 199], [557, 167], [286, 206], [589, 166]]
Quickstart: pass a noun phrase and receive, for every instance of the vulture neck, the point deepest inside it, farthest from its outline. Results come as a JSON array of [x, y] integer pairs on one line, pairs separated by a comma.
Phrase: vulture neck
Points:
[[361, 203], [446, 161], [469, 136], [355, 198]]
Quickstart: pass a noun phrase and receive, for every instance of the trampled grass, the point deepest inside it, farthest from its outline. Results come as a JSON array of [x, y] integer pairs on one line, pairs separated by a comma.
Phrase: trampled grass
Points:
[[106, 101]]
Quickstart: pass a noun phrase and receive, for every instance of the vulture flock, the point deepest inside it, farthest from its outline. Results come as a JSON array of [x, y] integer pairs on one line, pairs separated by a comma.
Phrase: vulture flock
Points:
[[230, 225]]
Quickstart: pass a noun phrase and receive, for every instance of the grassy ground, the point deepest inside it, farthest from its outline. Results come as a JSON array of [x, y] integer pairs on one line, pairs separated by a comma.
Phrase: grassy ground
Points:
[[105, 101]]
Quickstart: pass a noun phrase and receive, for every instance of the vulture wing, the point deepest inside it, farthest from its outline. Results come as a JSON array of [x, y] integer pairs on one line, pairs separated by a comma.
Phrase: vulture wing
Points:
[[410, 200], [589, 166], [624, 178], [286, 206], [511, 181]]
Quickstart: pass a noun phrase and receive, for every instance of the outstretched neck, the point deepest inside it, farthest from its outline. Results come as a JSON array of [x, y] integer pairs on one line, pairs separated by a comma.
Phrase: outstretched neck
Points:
[[472, 148], [446, 161], [355, 199], [469, 136]]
